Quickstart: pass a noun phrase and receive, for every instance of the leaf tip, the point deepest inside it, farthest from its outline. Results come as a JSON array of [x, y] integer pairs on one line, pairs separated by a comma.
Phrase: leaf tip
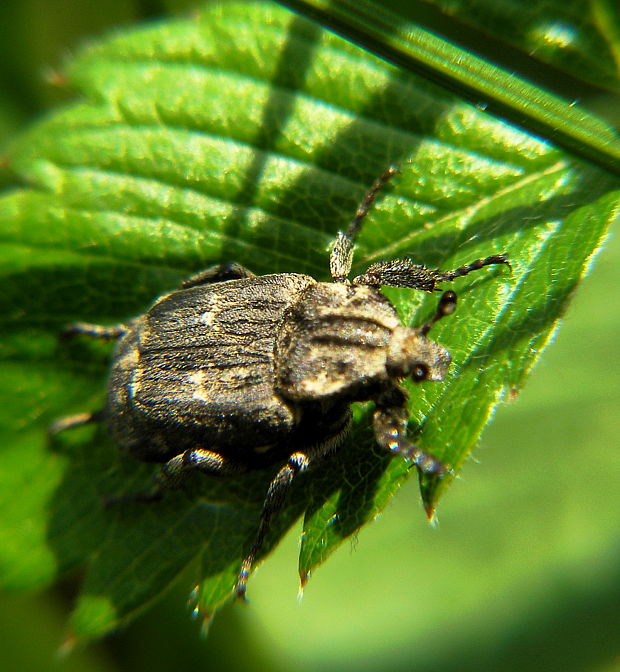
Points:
[[203, 615], [205, 623], [431, 512], [514, 393], [56, 78], [304, 577], [68, 646], [428, 491]]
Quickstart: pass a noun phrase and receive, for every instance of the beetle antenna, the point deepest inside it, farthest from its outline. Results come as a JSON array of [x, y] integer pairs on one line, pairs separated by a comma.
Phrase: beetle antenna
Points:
[[341, 258], [446, 306]]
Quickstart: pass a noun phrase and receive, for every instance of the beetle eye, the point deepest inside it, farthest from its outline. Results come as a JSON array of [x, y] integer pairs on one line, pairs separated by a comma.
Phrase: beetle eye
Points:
[[419, 372]]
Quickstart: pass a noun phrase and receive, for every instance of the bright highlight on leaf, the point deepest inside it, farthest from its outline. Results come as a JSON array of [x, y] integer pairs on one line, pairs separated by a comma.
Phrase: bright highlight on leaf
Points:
[[249, 134]]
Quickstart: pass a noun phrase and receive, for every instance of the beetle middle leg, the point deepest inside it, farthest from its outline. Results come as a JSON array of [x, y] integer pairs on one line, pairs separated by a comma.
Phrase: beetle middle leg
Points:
[[390, 425], [337, 423], [276, 496], [174, 471], [172, 474]]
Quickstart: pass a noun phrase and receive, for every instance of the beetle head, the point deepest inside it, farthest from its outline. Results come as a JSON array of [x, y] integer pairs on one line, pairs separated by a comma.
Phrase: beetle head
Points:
[[410, 353]]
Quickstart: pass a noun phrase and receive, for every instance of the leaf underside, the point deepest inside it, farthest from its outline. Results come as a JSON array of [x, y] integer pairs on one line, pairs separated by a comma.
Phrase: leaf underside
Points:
[[152, 174]]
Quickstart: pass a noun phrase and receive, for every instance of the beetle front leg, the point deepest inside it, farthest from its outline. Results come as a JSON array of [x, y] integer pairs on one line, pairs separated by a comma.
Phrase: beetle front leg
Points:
[[218, 273], [390, 425]]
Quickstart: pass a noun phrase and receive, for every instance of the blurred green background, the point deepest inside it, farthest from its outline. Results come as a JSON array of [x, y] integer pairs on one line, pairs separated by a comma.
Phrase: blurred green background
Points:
[[522, 571]]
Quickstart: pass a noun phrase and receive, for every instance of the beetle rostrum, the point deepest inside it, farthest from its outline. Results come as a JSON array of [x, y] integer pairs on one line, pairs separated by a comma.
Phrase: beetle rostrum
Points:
[[234, 372]]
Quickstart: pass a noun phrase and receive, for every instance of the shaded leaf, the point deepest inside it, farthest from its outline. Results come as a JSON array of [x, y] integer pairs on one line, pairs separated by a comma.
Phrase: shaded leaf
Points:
[[578, 116], [580, 37]]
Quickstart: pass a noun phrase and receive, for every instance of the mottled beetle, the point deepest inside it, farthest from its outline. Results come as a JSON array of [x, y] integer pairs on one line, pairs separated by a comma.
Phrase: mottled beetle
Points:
[[234, 372]]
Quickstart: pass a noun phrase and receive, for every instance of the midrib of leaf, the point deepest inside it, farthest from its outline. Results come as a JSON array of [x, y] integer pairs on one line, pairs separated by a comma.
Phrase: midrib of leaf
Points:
[[523, 345]]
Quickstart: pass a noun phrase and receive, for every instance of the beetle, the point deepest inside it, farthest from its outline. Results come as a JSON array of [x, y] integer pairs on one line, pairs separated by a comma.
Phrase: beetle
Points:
[[234, 372]]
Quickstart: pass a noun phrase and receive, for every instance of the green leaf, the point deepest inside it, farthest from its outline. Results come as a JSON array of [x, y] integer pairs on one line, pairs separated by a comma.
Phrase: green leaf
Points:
[[249, 134]]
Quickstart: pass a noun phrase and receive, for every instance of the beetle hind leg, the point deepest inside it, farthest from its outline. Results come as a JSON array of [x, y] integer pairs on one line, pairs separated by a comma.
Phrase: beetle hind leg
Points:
[[97, 331]]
